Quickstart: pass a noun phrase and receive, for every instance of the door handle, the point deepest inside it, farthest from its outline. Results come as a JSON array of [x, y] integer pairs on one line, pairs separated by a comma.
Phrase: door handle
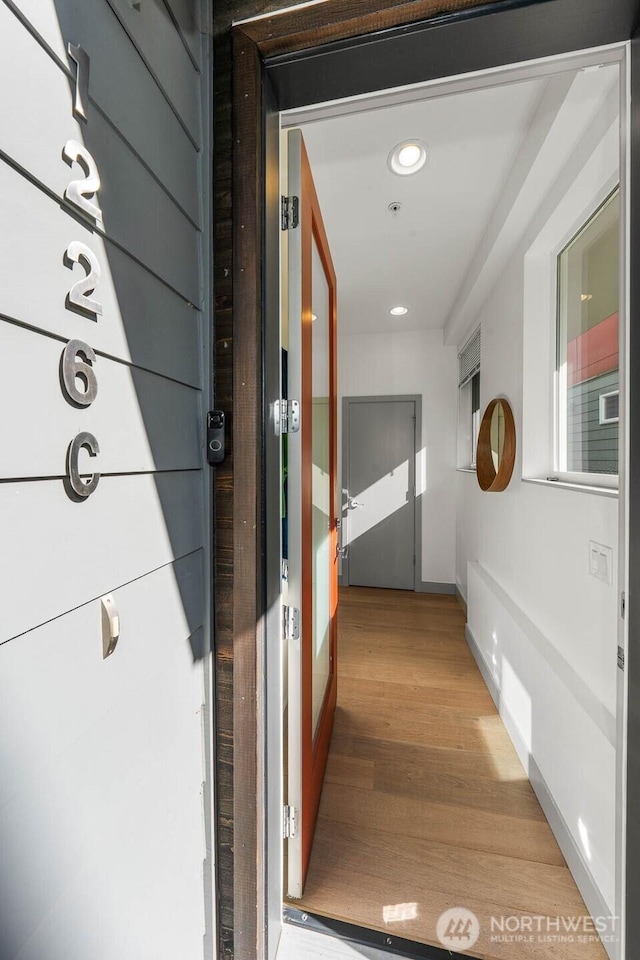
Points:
[[341, 552]]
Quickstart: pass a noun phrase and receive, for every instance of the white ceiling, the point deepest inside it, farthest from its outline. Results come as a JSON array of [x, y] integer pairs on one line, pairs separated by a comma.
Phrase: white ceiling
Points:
[[418, 258]]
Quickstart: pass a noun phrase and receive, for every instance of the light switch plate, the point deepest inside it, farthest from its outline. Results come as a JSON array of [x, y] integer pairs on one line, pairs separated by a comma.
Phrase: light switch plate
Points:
[[601, 562]]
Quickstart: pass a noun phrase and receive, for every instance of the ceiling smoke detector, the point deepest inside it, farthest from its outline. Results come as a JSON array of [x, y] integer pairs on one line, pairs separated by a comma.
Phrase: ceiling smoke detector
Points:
[[407, 157]]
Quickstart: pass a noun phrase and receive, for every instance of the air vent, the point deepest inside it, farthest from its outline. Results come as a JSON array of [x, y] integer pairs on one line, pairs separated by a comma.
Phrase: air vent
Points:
[[610, 407]]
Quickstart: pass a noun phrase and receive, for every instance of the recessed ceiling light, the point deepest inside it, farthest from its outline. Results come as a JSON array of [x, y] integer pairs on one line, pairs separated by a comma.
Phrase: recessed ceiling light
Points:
[[407, 157], [398, 311]]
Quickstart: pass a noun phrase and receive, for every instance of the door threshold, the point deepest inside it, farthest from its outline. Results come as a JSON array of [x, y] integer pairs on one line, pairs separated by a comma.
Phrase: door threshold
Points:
[[351, 932]]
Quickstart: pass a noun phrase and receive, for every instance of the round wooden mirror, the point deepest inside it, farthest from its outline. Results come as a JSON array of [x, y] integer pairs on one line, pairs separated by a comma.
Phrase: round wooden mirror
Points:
[[496, 447]]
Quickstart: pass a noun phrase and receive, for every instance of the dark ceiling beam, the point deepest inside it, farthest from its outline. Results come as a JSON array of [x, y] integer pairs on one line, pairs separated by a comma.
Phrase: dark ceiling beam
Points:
[[427, 51], [299, 29]]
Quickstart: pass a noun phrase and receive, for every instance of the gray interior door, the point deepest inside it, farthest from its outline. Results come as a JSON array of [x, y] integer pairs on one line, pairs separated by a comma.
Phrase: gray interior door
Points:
[[379, 508]]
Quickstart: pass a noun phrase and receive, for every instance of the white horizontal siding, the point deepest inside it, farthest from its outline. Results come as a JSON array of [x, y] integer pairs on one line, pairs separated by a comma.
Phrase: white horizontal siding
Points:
[[57, 554], [104, 776], [142, 320], [138, 213], [100, 820], [144, 422], [128, 95]]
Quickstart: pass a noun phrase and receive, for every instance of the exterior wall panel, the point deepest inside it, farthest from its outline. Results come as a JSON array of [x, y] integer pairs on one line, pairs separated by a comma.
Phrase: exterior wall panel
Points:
[[592, 446], [146, 323], [189, 21], [55, 558], [160, 432], [75, 796], [105, 795], [128, 96], [138, 214], [154, 35]]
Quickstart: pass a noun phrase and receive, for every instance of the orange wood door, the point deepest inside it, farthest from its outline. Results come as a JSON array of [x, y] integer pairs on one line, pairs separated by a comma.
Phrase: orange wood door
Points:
[[313, 507]]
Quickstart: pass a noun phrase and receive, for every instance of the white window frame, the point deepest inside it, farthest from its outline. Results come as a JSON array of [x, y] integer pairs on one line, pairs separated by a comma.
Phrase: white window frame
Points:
[[560, 391], [543, 384]]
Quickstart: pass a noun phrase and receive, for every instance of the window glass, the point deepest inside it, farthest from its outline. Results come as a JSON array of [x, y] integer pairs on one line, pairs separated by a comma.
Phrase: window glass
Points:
[[588, 368], [469, 400]]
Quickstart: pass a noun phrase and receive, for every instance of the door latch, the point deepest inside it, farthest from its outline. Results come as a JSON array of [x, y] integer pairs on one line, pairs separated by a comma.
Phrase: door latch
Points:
[[342, 552]]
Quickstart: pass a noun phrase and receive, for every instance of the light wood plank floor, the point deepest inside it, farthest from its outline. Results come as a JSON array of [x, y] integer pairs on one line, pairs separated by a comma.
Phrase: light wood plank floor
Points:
[[425, 804]]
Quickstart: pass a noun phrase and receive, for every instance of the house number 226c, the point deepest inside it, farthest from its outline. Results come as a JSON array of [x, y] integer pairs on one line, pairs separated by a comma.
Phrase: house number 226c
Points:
[[77, 364]]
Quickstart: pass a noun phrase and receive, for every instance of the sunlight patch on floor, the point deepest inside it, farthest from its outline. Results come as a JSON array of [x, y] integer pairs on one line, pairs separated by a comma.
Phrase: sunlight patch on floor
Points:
[[505, 764], [397, 912]]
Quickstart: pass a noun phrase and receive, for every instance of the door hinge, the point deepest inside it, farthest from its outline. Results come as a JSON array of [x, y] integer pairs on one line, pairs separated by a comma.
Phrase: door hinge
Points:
[[290, 207], [289, 822], [290, 623], [621, 658], [287, 416]]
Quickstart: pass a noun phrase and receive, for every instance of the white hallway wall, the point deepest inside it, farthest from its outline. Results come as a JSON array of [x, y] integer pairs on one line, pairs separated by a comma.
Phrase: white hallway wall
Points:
[[415, 363], [533, 542]]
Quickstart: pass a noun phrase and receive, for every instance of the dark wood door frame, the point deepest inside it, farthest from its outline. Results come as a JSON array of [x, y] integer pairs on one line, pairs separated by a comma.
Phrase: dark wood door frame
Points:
[[293, 58]]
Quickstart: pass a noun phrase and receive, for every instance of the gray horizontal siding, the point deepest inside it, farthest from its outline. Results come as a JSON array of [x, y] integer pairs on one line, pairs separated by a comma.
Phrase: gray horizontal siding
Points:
[[159, 587], [143, 321], [100, 807], [144, 422], [126, 94], [103, 787], [187, 16], [138, 213], [592, 447], [154, 36], [58, 554]]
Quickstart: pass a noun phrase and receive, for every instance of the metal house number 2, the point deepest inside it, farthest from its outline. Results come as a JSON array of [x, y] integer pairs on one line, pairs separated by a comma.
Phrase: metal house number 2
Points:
[[78, 358]]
